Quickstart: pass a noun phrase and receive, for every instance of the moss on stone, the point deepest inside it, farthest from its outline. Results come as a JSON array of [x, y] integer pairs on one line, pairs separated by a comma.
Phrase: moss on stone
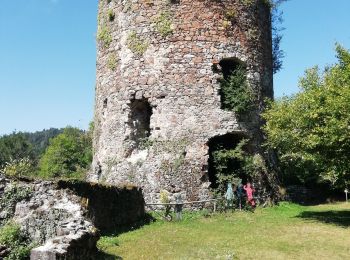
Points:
[[136, 44]]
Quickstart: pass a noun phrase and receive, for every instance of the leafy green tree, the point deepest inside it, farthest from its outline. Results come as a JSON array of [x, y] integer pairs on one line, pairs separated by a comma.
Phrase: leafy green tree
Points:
[[14, 147], [68, 155], [311, 130]]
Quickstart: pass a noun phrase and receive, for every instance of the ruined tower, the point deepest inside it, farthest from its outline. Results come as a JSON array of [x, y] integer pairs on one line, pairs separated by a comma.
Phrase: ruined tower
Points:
[[160, 110]]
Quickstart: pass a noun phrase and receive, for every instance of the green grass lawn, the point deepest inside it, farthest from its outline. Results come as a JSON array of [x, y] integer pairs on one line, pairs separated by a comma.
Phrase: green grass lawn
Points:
[[287, 231]]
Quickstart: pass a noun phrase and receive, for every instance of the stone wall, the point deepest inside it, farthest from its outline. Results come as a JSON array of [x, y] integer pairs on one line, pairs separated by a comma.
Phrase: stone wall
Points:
[[162, 53], [109, 207], [65, 217]]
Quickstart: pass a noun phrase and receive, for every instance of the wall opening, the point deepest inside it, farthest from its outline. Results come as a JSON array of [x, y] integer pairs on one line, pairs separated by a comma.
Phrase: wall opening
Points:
[[226, 167], [140, 118], [229, 65], [234, 92], [104, 110]]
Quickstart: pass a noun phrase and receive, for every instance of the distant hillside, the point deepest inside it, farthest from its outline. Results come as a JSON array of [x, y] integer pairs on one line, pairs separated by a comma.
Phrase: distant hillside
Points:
[[24, 144], [40, 139]]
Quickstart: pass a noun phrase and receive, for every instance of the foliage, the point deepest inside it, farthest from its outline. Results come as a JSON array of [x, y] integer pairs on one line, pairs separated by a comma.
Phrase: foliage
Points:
[[112, 61], [236, 93], [18, 167], [69, 155], [164, 196], [310, 130], [111, 15], [104, 35], [233, 165], [13, 194], [13, 239], [40, 140], [277, 20], [15, 147], [223, 160], [136, 44], [230, 14], [163, 23]]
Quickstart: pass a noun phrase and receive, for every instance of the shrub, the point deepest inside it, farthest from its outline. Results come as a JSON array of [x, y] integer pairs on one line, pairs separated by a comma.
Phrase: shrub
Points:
[[136, 44], [236, 94], [68, 156], [111, 15], [104, 36], [15, 241], [163, 24], [18, 168]]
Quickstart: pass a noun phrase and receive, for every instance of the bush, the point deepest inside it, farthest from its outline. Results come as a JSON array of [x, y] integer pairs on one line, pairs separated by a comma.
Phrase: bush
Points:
[[69, 155], [18, 168], [15, 241], [236, 94]]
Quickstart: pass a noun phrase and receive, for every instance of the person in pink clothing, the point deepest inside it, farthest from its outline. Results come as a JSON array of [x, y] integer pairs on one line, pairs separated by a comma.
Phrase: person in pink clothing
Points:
[[249, 190]]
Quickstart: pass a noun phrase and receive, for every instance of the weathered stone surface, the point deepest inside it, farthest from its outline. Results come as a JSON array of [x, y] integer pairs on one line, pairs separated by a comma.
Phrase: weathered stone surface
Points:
[[175, 76], [65, 217]]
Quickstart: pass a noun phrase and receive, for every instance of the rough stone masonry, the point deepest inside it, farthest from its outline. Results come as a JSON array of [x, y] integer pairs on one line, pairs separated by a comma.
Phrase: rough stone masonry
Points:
[[158, 106]]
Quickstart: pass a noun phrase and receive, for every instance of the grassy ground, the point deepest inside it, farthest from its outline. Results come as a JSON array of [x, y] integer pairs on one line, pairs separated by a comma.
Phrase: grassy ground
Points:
[[288, 231]]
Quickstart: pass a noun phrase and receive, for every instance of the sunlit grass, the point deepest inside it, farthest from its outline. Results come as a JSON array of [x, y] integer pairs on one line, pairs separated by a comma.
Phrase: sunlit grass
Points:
[[288, 231]]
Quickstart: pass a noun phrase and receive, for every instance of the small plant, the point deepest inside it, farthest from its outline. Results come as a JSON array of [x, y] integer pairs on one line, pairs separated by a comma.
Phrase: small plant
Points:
[[230, 14], [112, 62], [136, 44], [18, 168], [226, 24], [104, 36], [111, 15], [16, 243], [108, 1], [164, 196], [145, 143], [163, 24], [247, 2]]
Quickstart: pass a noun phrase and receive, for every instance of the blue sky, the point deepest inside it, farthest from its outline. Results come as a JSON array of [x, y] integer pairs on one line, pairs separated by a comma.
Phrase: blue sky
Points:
[[48, 56]]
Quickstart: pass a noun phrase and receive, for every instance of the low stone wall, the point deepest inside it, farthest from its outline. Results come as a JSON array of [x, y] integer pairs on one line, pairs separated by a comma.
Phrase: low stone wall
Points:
[[65, 217], [109, 207]]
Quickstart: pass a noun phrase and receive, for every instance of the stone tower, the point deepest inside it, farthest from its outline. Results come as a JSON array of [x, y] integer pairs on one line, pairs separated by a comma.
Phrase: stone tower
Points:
[[159, 109]]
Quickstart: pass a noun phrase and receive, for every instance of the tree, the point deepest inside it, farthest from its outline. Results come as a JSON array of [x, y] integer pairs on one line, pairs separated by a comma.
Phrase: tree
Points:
[[311, 130], [277, 20], [68, 155], [14, 147], [24, 145]]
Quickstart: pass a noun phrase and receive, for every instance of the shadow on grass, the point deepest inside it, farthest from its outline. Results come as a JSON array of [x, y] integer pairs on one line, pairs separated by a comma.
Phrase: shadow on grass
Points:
[[101, 255], [146, 220], [337, 217], [104, 256]]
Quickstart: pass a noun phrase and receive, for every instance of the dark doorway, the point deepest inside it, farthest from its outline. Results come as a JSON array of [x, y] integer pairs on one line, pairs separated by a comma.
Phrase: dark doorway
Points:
[[229, 65], [140, 118], [229, 166]]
